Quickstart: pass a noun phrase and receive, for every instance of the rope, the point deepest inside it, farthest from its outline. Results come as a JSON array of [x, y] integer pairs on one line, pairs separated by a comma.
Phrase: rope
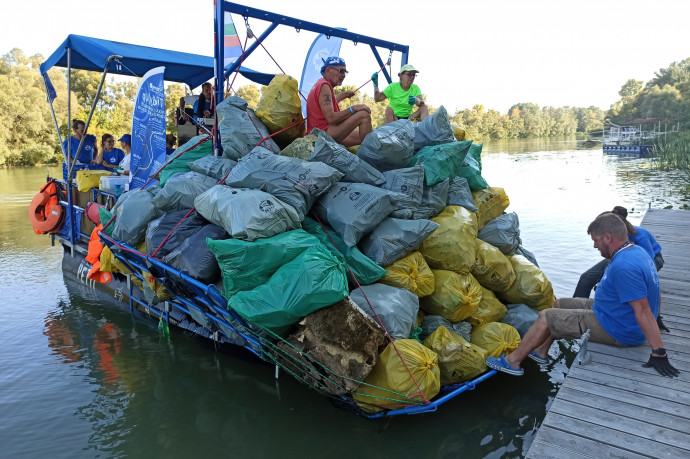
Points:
[[296, 123], [380, 68]]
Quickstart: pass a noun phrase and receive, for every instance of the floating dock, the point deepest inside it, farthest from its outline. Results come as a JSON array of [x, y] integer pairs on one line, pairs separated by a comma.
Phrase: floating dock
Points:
[[612, 406]]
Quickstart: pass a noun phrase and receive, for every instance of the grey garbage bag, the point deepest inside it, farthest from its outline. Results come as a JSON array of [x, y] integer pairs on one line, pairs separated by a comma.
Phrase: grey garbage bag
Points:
[[354, 209], [521, 317], [503, 232], [395, 238], [180, 191], [352, 166], [395, 307], [292, 180], [240, 129], [213, 166], [459, 194], [134, 211], [389, 147], [431, 322], [435, 129], [159, 229], [195, 258], [527, 254], [434, 200], [246, 214], [409, 182]]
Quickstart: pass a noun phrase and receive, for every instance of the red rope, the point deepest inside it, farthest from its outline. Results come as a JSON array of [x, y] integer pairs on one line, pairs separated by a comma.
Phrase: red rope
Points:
[[278, 132], [367, 82]]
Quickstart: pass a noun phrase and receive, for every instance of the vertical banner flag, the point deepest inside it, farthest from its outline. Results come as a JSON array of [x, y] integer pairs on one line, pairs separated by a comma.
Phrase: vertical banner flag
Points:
[[148, 129], [231, 42], [322, 48]]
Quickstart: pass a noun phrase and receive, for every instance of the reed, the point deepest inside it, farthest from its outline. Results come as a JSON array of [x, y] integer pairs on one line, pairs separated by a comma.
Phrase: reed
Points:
[[674, 154]]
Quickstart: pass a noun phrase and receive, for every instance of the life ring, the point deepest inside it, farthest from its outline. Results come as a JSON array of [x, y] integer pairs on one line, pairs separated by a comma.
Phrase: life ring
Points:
[[45, 212]]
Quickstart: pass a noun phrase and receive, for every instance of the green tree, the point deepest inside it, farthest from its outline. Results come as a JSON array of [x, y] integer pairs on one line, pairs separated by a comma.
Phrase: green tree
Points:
[[251, 93]]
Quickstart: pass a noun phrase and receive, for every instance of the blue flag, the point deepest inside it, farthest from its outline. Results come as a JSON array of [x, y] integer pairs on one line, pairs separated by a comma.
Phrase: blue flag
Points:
[[50, 89], [148, 129], [322, 48]]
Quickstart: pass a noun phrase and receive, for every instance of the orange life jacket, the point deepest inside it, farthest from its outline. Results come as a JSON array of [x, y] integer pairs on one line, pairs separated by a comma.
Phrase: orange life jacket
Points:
[[93, 256], [45, 212]]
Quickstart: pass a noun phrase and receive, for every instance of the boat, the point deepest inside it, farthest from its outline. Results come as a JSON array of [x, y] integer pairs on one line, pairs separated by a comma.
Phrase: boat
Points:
[[189, 304], [631, 139]]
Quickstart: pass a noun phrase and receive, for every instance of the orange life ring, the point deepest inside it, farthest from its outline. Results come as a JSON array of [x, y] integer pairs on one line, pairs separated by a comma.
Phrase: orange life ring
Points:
[[45, 212]]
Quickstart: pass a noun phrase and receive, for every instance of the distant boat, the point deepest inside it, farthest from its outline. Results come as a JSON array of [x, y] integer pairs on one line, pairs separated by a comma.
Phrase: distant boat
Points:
[[630, 139]]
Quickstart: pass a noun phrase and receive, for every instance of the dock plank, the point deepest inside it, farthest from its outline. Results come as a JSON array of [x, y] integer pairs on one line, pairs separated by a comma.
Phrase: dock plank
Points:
[[555, 444]]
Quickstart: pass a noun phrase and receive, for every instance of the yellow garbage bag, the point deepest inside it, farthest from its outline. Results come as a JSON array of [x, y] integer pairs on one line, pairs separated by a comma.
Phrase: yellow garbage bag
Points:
[[280, 107], [495, 338], [411, 273], [490, 309], [490, 202], [106, 260], [112, 265], [459, 133], [455, 298], [491, 268], [531, 287], [393, 384], [452, 246], [87, 179], [458, 360]]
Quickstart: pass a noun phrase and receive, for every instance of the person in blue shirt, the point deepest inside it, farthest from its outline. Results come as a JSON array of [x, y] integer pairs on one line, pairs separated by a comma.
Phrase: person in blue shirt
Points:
[[203, 107], [109, 156], [89, 149], [622, 313]]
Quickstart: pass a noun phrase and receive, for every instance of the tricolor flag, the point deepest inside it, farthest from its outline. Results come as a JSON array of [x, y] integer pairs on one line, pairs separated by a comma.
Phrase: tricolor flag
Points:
[[232, 50]]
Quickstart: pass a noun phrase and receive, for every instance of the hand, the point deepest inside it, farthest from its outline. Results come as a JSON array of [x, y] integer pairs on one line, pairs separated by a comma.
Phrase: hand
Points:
[[207, 114], [662, 366], [375, 78], [412, 100], [661, 324], [347, 94], [361, 108]]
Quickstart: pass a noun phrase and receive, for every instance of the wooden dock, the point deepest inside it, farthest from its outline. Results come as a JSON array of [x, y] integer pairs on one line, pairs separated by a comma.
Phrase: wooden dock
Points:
[[612, 406]]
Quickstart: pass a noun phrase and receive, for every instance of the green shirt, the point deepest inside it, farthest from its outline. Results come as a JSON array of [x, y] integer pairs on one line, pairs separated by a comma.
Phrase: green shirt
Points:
[[399, 98]]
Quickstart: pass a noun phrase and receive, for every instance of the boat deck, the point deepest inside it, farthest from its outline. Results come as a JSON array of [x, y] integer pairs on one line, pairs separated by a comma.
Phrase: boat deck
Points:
[[612, 406]]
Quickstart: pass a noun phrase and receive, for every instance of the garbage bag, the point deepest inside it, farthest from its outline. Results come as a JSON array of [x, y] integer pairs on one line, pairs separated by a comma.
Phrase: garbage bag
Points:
[[301, 148], [246, 214], [521, 317], [134, 211], [459, 133], [455, 297], [431, 322], [395, 383], [364, 269], [172, 227], [280, 107], [193, 256], [441, 162], [389, 147], [531, 287], [313, 280], [411, 273], [181, 190], [409, 182], [435, 129], [196, 148], [87, 179], [354, 209], [352, 166], [394, 238], [240, 129], [527, 254], [491, 268], [503, 232], [490, 309], [472, 168], [458, 359], [452, 245], [246, 265], [459, 194], [495, 338], [434, 198], [213, 166], [292, 180], [490, 202], [396, 308]]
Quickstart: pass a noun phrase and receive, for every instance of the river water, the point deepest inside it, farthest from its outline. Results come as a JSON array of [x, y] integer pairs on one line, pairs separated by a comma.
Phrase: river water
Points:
[[80, 377]]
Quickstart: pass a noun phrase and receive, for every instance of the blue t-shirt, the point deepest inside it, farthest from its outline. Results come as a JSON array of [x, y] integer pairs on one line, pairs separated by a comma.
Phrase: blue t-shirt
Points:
[[87, 149], [113, 157], [630, 276], [644, 239]]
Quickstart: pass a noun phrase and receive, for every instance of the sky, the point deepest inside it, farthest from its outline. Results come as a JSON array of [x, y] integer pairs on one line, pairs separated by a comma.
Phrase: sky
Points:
[[496, 53]]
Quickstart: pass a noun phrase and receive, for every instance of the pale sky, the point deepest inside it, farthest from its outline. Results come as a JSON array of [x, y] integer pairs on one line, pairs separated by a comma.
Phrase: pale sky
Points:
[[495, 53]]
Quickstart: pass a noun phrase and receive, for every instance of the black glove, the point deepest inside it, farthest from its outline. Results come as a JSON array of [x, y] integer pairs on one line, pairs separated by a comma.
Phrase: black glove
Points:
[[661, 325], [662, 365]]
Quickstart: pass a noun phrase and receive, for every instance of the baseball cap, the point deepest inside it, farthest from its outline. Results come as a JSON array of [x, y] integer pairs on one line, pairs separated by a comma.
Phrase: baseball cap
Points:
[[331, 62], [408, 68], [126, 138]]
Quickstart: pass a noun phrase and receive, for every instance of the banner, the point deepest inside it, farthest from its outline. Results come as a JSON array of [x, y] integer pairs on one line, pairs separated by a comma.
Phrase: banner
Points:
[[322, 48], [148, 129]]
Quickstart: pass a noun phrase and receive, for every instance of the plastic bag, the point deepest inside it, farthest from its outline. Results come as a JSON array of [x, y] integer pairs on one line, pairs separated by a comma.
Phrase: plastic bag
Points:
[[521, 317], [495, 338], [455, 296], [193, 256], [458, 359], [389, 147], [491, 268], [435, 129], [531, 287], [472, 168], [240, 129], [180, 191], [490, 309], [441, 162], [490, 202], [409, 182], [301, 148], [459, 194], [182, 163], [434, 198], [394, 238], [452, 245], [134, 211], [396, 308], [161, 228], [87, 179], [213, 166], [390, 386], [355, 170], [411, 273], [280, 107], [431, 322], [503, 232]]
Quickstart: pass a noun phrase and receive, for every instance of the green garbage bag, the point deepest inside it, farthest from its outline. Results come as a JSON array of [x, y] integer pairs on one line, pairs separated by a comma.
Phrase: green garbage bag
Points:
[[313, 280], [472, 168], [181, 164], [441, 161], [245, 265]]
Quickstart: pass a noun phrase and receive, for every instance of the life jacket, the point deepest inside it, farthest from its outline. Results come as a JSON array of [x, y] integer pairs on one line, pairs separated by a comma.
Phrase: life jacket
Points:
[[93, 256], [45, 212]]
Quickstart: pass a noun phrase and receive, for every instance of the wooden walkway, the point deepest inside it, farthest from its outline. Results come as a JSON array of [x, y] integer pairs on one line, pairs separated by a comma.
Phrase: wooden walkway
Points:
[[613, 407]]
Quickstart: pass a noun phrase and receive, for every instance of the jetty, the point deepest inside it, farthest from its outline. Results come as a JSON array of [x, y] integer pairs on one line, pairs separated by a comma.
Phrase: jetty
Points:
[[613, 407]]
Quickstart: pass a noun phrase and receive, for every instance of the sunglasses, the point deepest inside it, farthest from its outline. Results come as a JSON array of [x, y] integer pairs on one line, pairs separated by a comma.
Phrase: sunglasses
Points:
[[341, 71]]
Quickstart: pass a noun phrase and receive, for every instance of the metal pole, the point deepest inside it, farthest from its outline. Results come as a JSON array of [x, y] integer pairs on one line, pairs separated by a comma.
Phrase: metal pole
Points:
[[70, 163], [57, 127]]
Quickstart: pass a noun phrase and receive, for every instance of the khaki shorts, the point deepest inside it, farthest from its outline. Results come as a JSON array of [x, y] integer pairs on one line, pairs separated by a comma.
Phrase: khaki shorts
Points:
[[573, 318]]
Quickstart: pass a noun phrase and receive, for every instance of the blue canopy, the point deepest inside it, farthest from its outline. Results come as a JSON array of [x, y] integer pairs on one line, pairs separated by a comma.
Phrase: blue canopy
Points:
[[92, 54]]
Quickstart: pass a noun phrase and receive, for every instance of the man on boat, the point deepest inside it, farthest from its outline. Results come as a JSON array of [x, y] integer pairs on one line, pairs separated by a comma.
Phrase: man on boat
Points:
[[622, 313], [402, 96], [89, 149], [347, 127]]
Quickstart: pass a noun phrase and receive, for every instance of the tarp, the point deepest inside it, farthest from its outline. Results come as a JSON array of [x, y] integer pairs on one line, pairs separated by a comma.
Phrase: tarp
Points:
[[92, 54]]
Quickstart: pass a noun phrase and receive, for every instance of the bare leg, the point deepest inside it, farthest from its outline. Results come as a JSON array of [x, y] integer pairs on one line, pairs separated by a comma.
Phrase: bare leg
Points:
[[537, 336], [344, 131], [389, 116], [421, 113]]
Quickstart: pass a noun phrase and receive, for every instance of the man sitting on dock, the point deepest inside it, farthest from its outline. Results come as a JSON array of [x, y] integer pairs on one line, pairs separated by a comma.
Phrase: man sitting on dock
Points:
[[622, 313]]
